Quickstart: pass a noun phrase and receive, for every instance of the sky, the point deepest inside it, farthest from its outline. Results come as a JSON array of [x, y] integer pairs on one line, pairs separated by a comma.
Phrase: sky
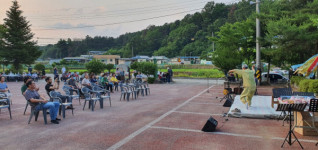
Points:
[[52, 20]]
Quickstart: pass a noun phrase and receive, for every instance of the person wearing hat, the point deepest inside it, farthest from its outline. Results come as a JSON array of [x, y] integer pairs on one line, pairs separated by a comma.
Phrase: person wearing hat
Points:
[[248, 84]]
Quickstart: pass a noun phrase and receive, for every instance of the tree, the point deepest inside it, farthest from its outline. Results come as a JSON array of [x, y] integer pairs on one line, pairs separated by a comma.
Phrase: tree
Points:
[[109, 67], [95, 66], [19, 47], [39, 67]]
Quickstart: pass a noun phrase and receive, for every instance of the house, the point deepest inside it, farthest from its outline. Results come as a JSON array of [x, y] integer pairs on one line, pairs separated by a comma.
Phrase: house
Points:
[[108, 59], [160, 59], [78, 59], [140, 58]]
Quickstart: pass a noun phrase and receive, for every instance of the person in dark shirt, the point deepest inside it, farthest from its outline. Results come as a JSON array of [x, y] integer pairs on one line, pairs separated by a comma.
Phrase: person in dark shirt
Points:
[[50, 87], [39, 101]]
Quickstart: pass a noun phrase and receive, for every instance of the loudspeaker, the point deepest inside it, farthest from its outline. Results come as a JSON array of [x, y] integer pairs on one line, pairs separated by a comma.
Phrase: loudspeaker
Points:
[[228, 103], [210, 125]]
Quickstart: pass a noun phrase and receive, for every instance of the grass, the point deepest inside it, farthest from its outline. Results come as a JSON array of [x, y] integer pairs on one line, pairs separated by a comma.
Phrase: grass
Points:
[[196, 73]]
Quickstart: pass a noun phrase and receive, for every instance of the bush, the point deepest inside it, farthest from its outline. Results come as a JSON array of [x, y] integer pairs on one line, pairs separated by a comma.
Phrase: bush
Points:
[[95, 66], [313, 86], [151, 80], [304, 85], [296, 79], [39, 67], [109, 67], [145, 67]]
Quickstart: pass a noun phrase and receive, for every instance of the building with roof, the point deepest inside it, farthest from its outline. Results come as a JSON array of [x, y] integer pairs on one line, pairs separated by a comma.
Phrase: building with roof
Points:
[[160, 59], [78, 59], [108, 59], [140, 58]]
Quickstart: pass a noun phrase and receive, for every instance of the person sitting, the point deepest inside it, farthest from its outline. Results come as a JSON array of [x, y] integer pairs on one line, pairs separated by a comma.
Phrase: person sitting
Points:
[[4, 87], [105, 83], [35, 76], [50, 87], [139, 77], [24, 87], [93, 79], [39, 102], [115, 81], [86, 82], [73, 84]]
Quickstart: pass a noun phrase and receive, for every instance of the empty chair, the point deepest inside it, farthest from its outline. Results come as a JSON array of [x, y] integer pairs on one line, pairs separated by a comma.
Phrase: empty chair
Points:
[[147, 89], [102, 94], [88, 97], [5, 103], [54, 97], [67, 91], [124, 92]]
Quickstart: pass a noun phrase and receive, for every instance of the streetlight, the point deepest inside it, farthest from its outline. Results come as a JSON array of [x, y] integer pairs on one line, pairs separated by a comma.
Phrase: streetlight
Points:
[[258, 34]]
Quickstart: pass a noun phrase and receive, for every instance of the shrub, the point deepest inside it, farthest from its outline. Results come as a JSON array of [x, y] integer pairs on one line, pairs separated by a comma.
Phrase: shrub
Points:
[[109, 67], [313, 86], [296, 79], [145, 67], [151, 80], [304, 85], [39, 67], [95, 66]]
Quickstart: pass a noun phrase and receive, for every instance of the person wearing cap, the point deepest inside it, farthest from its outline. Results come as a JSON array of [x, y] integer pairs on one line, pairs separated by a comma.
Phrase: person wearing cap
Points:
[[248, 84]]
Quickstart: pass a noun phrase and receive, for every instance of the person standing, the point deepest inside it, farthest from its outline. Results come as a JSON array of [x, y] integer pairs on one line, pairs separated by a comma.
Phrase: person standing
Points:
[[170, 74], [249, 84], [63, 70], [30, 69]]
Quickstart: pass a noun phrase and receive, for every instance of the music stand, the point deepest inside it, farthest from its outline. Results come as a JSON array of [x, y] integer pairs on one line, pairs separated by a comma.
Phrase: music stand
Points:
[[313, 107], [290, 108]]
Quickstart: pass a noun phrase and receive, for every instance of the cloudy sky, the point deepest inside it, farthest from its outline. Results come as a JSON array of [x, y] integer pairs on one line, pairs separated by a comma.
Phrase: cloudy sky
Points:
[[55, 19]]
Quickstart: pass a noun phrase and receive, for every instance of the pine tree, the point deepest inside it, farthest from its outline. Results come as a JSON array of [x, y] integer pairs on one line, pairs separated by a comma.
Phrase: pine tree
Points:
[[19, 48]]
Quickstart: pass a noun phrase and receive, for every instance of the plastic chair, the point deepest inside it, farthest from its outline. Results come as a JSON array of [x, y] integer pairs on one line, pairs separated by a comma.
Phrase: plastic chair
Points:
[[67, 91], [54, 97], [5, 103], [88, 97], [36, 114]]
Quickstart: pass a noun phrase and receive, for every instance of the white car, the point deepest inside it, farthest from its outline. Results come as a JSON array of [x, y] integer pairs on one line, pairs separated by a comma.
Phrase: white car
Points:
[[274, 78]]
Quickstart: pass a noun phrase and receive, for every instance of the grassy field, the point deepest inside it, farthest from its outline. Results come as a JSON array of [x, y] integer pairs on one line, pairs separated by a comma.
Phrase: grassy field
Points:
[[196, 73]]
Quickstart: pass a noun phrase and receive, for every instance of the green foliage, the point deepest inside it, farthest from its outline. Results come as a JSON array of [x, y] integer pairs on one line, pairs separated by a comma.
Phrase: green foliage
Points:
[[151, 80], [313, 86], [296, 79], [146, 68], [109, 67], [134, 65], [304, 85], [196, 73], [17, 40], [95, 66], [39, 67]]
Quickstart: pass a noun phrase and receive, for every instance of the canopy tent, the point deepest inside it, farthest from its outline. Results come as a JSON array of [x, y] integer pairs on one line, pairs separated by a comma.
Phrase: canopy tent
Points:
[[309, 67]]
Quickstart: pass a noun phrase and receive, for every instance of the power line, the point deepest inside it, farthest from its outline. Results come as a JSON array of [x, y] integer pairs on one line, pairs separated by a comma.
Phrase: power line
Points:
[[123, 10], [130, 21], [111, 15]]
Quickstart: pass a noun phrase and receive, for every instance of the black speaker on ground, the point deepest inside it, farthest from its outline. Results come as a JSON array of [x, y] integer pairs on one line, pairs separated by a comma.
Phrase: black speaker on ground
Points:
[[228, 103], [210, 125]]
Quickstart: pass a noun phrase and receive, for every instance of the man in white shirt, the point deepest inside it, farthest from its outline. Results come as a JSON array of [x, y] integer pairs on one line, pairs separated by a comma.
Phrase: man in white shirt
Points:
[[63, 70], [86, 82]]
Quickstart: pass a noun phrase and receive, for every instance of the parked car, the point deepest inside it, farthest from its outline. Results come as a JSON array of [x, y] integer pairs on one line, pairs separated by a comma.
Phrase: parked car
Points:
[[274, 78]]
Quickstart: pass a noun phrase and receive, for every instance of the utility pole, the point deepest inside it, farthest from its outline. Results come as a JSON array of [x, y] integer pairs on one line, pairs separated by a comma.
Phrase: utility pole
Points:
[[258, 35], [132, 51]]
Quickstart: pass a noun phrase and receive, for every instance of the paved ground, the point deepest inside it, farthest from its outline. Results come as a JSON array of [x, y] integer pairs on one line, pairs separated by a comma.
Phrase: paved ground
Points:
[[170, 118]]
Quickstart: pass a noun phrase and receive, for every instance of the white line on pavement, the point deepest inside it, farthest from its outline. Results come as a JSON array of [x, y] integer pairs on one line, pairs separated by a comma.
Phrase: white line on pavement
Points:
[[229, 134], [217, 104], [134, 134], [197, 113]]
